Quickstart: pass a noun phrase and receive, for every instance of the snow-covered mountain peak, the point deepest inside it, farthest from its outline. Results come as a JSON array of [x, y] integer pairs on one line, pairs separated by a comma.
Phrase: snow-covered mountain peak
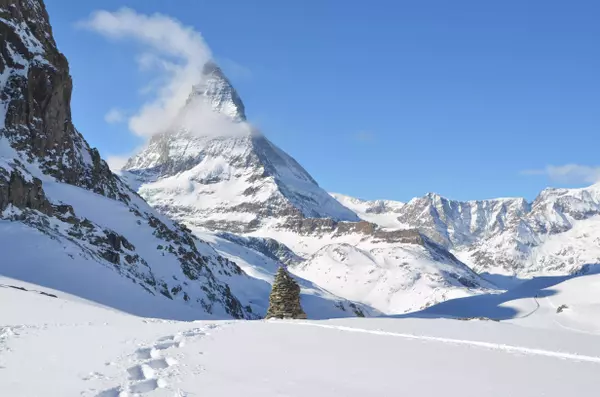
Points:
[[216, 90], [214, 169]]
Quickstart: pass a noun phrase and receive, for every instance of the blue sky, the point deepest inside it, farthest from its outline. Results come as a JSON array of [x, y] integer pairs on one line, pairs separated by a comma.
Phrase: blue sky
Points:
[[382, 99]]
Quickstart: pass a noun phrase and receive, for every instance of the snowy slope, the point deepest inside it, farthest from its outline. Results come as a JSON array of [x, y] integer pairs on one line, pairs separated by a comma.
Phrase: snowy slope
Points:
[[555, 234], [316, 302], [392, 279], [65, 347]]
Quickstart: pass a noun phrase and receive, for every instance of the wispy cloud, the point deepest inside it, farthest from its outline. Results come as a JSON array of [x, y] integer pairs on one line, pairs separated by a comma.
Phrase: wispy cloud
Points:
[[114, 116], [568, 173], [178, 52], [364, 136]]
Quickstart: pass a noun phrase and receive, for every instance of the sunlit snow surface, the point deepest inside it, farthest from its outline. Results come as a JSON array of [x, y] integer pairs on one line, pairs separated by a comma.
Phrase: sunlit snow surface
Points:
[[68, 347]]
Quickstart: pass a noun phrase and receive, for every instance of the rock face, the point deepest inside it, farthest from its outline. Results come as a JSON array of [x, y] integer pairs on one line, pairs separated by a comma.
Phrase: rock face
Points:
[[284, 301], [16, 191], [455, 223], [35, 102]]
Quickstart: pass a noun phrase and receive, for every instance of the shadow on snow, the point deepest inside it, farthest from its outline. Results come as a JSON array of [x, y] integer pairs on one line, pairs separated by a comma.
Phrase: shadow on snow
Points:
[[491, 305]]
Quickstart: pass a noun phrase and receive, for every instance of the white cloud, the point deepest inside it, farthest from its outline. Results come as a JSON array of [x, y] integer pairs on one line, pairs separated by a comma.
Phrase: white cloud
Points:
[[569, 173], [178, 52], [115, 116], [116, 163]]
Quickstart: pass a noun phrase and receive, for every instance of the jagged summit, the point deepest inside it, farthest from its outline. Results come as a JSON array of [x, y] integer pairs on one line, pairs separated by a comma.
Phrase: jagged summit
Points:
[[225, 175], [216, 90]]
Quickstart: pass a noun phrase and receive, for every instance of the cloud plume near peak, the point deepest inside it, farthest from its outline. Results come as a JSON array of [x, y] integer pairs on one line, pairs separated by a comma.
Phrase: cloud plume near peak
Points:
[[178, 52]]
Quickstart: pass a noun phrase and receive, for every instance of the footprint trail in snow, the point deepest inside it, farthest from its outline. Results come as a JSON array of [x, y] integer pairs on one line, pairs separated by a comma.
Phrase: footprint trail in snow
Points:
[[153, 366]]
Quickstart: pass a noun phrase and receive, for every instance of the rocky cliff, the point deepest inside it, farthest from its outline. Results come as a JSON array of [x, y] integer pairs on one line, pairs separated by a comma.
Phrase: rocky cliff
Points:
[[57, 192]]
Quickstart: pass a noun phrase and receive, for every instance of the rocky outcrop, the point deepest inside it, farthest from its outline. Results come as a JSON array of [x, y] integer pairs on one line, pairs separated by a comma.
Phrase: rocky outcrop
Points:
[[21, 193], [36, 98], [284, 301], [322, 227]]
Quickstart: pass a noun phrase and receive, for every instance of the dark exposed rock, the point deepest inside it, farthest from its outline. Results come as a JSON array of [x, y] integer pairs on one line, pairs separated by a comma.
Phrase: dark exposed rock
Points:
[[284, 301], [116, 241], [321, 226], [38, 95], [111, 256], [23, 194]]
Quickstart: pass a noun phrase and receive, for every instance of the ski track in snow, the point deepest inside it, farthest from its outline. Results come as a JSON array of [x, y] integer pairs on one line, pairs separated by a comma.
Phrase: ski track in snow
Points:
[[485, 345], [152, 367]]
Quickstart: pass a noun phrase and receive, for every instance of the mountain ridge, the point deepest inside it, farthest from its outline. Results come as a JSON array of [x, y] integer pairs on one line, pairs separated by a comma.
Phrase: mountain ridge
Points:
[[512, 235]]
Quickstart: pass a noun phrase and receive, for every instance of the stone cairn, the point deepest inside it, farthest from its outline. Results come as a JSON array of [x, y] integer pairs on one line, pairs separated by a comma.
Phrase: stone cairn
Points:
[[284, 301]]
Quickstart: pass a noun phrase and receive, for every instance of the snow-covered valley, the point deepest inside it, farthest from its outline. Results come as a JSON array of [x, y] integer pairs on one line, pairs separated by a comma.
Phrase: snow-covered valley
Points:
[[65, 346], [155, 279]]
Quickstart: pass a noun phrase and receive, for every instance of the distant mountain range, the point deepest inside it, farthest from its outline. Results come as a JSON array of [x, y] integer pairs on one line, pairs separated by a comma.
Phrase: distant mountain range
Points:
[[557, 233]]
